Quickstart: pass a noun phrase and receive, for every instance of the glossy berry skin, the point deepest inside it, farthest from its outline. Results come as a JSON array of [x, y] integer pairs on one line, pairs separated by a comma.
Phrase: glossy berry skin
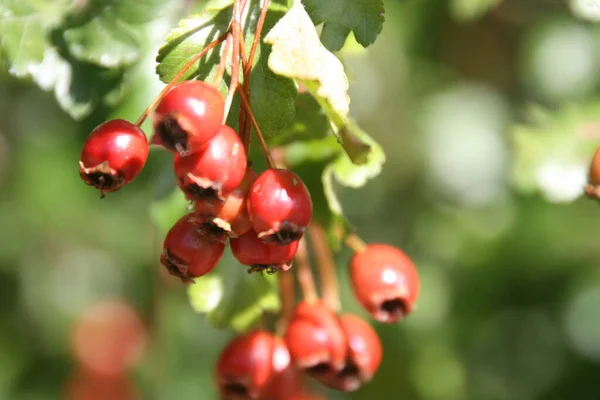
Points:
[[188, 254], [385, 282], [189, 115], [215, 170], [249, 250], [229, 218], [592, 189], [280, 206], [245, 366], [315, 340], [113, 155], [285, 380], [363, 357]]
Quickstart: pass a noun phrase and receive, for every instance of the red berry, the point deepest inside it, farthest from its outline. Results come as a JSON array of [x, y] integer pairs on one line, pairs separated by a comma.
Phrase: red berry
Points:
[[363, 359], [592, 189], [286, 379], [249, 250], [113, 154], [316, 340], [229, 218], [215, 170], [280, 206], [385, 282], [245, 365], [187, 253], [188, 116]]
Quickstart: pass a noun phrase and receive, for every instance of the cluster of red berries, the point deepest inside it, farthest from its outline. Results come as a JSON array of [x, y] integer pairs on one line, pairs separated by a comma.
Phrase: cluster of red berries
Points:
[[341, 351], [263, 217]]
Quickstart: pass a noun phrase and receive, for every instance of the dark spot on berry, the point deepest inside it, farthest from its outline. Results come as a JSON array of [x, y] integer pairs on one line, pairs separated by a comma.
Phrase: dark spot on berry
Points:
[[172, 136], [286, 234], [102, 181], [262, 268], [174, 267], [318, 369], [237, 389], [349, 370], [200, 193], [394, 307]]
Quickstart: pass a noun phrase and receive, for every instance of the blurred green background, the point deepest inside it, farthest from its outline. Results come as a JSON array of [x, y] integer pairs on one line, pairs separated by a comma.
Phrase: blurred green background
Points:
[[489, 113]]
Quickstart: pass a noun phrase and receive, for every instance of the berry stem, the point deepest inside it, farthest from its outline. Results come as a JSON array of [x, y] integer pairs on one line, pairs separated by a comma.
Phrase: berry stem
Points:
[[327, 270], [304, 273], [355, 243], [287, 294], [221, 67], [261, 138], [244, 127], [178, 76], [236, 31]]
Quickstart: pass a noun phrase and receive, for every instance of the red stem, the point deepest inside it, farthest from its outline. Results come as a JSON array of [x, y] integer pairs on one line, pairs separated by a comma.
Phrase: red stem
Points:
[[177, 76], [236, 31], [287, 294], [261, 138], [305, 274], [329, 282], [355, 243]]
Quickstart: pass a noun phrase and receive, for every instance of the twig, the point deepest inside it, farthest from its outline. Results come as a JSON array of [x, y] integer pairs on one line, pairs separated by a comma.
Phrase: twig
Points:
[[222, 63], [355, 243], [305, 274], [287, 294], [261, 138], [236, 31], [329, 282]]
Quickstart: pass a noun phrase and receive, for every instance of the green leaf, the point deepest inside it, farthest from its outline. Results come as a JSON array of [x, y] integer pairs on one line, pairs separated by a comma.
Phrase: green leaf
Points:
[[469, 10], [552, 150], [298, 53], [364, 18], [272, 96]]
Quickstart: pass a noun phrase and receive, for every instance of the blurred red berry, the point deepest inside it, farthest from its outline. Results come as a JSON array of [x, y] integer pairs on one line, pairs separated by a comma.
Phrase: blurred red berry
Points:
[[113, 155], [187, 253], [385, 282], [215, 170], [229, 218], [249, 250], [188, 116], [280, 206], [108, 337], [315, 339], [363, 358], [245, 365], [85, 385]]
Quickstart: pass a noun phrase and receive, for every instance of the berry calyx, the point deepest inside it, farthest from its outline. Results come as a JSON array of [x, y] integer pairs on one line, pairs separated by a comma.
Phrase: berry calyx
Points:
[[245, 365], [215, 170], [113, 155], [228, 218], [315, 340], [189, 115], [280, 206], [249, 250], [385, 281], [363, 358], [188, 254]]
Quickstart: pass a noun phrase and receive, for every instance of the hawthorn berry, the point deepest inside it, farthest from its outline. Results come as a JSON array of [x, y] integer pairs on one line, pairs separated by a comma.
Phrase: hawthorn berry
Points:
[[249, 250], [189, 115], [315, 339], [286, 379], [213, 171], [187, 253], [113, 155], [363, 357], [228, 218], [385, 281], [280, 206], [245, 365], [592, 189]]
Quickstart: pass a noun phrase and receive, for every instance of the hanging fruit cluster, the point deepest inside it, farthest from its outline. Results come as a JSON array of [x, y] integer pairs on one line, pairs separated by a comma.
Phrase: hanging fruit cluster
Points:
[[264, 218]]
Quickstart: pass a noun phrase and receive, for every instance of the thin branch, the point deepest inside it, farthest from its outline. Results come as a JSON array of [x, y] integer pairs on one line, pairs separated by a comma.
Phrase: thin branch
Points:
[[236, 31], [305, 274], [355, 243], [327, 270], [178, 76], [261, 138], [220, 72], [287, 294]]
